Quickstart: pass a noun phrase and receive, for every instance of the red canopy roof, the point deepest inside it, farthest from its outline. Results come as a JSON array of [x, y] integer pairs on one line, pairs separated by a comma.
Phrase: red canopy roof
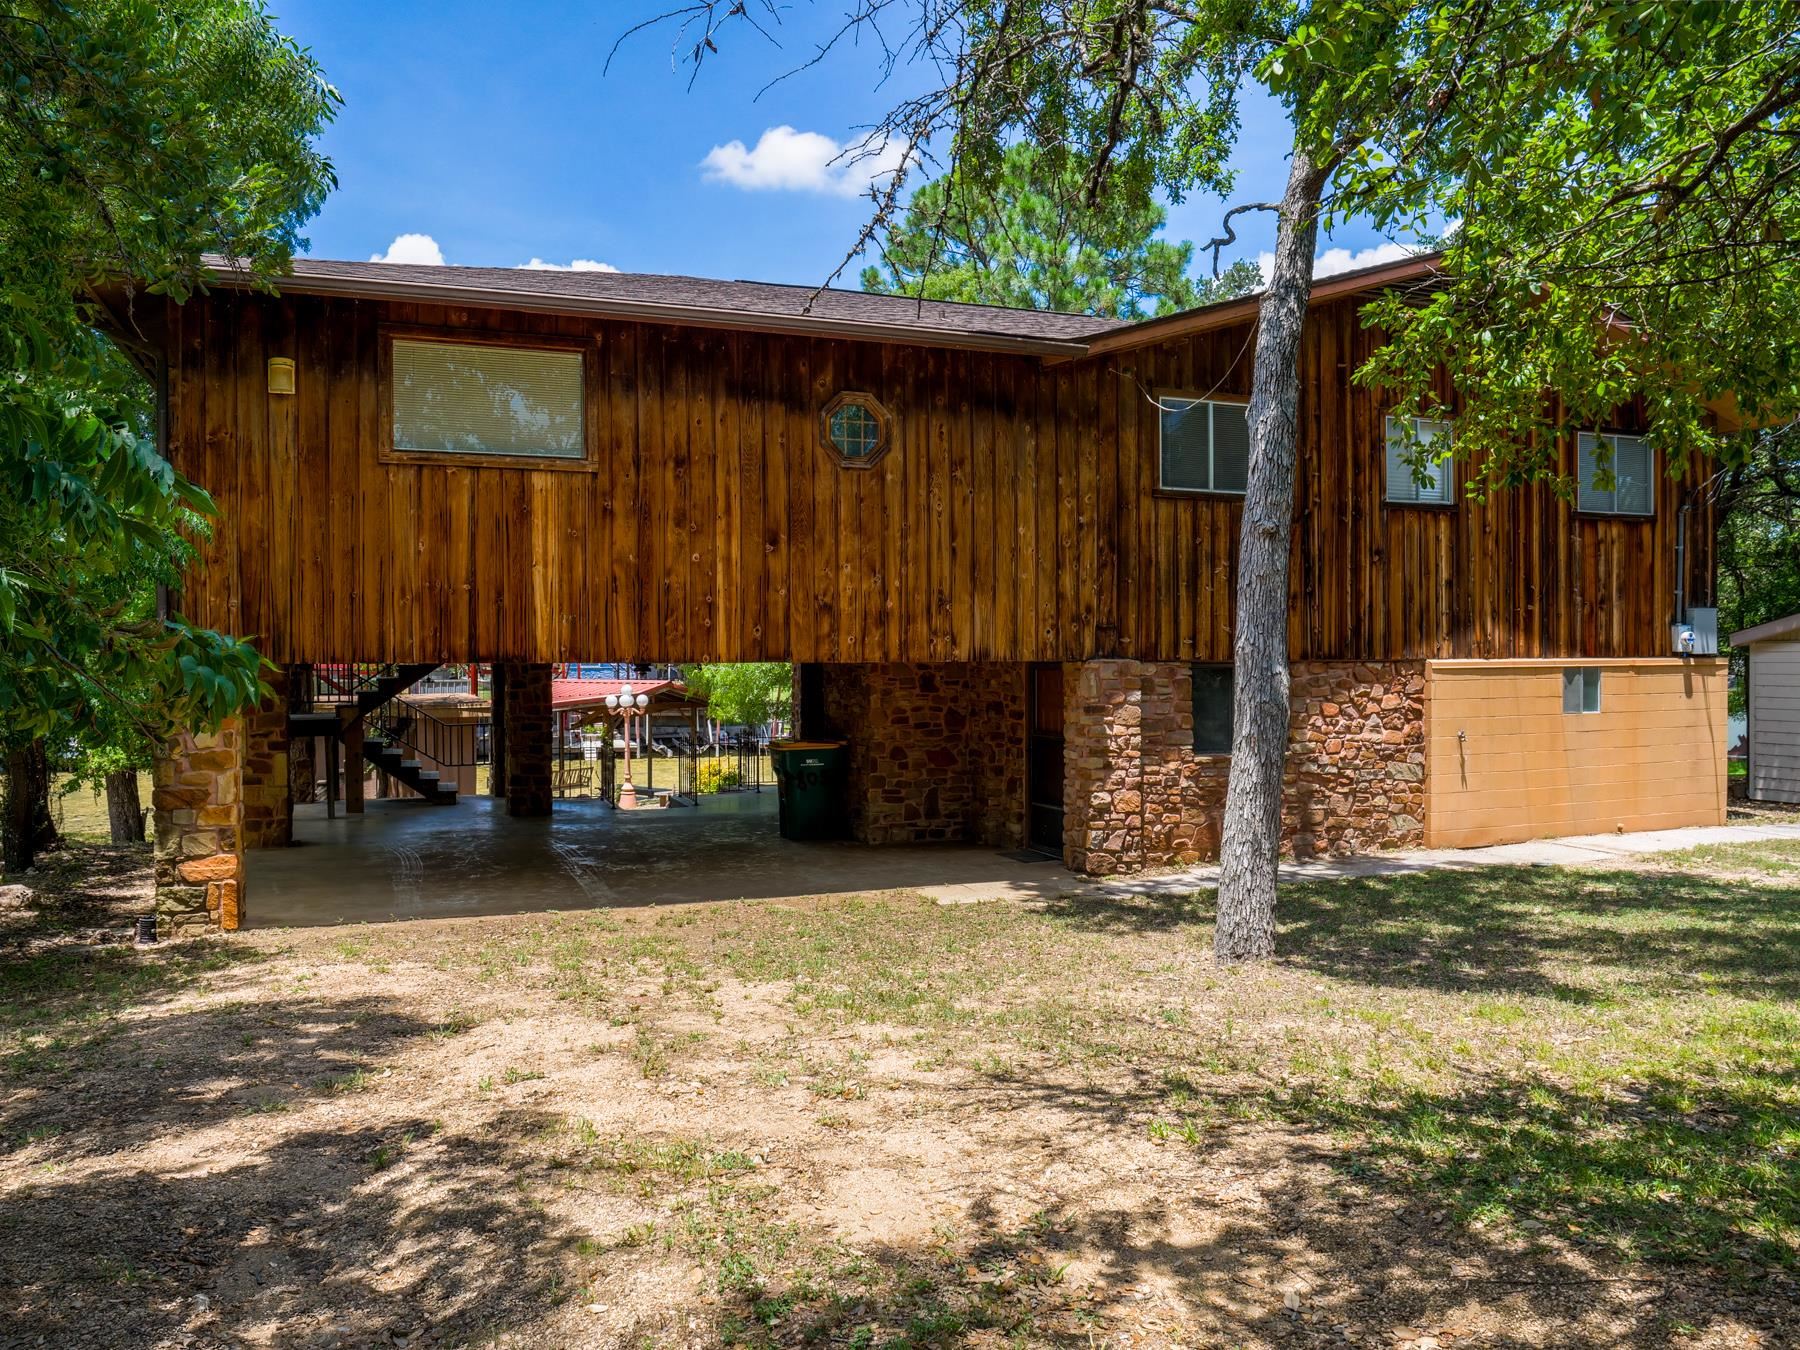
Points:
[[590, 695]]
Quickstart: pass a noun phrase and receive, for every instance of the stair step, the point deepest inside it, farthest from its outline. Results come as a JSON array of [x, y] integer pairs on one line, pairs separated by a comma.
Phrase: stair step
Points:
[[395, 759]]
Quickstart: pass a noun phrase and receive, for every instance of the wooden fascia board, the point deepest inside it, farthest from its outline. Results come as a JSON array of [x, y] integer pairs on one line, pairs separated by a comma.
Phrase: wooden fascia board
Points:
[[1230, 312], [655, 311]]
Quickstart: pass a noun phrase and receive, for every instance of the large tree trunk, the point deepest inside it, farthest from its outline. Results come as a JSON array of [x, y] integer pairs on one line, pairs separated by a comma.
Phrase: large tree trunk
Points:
[[1251, 840], [124, 812], [26, 828]]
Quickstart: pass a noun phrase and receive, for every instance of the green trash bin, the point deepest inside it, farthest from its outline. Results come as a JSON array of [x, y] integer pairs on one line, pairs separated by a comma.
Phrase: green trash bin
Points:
[[809, 780]]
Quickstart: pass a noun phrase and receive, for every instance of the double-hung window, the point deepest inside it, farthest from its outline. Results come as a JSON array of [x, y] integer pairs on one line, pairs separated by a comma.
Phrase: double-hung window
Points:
[[1429, 483], [485, 400], [1204, 445], [1618, 475]]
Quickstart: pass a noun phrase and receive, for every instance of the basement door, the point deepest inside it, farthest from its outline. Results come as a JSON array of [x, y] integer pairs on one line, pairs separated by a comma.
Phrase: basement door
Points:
[[1044, 757]]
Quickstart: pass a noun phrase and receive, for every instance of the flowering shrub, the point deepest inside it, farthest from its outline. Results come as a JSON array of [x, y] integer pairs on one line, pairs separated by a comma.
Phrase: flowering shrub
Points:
[[717, 775]]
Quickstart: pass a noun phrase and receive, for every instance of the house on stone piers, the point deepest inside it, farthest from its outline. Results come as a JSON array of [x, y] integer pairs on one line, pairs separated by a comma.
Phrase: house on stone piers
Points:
[[999, 546]]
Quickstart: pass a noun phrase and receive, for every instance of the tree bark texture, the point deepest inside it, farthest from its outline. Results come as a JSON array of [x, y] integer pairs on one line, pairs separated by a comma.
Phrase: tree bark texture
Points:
[[124, 811], [1250, 844], [303, 771], [26, 828]]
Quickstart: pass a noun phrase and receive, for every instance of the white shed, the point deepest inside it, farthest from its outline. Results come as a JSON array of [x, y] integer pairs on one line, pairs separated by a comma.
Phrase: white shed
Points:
[[1774, 704]]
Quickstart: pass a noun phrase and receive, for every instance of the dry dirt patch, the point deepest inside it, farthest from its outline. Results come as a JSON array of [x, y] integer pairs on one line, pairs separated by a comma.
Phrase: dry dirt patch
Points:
[[1548, 1108]]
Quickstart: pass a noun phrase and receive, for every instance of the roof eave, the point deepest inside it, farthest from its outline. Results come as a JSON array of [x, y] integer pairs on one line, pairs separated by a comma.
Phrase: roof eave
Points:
[[1229, 312], [1763, 632], [810, 325]]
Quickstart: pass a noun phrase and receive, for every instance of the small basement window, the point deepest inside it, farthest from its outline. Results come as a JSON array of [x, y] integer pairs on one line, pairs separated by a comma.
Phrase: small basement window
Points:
[[487, 400], [1581, 689], [1213, 692], [1429, 484], [857, 429], [1204, 445], [1618, 475]]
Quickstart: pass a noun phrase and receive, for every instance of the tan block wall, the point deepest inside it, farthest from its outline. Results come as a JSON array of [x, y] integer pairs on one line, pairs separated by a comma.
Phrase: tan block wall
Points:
[[1505, 763]]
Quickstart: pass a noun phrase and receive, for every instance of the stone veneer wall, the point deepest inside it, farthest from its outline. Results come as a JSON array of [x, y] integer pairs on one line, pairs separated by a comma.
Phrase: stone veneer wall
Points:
[[198, 805], [526, 695], [1136, 795], [937, 751], [268, 785]]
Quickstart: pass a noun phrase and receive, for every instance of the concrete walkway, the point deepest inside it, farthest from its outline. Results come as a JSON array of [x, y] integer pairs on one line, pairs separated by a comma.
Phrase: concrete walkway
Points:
[[410, 860], [1572, 851], [407, 860]]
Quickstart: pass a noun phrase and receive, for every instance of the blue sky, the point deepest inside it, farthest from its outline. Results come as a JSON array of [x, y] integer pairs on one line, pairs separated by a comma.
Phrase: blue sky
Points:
[[493, 131]]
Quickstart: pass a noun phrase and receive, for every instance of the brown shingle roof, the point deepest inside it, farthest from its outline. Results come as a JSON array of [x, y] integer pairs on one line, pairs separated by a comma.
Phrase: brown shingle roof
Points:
[[750, 304], [762, 306]]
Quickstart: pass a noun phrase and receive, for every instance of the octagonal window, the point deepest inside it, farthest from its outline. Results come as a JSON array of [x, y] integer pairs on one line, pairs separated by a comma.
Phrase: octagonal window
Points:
[[857, 429]]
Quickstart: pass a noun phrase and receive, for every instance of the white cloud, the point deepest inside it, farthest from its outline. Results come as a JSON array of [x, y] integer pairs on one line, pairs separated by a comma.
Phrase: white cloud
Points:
[[786, 160], [1334, 260], [578, 265], [412, 248]]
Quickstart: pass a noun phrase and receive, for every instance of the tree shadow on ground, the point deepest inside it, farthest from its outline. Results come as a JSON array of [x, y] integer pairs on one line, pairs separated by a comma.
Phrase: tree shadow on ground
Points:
[[226, 1169], [60, 1003], [79, 890], [1510, 930], [1597, 1220], [299, 1242], [191, 1070]]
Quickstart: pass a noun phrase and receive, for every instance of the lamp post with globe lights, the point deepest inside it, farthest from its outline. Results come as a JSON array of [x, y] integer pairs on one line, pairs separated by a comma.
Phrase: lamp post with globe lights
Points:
[[623, 704]]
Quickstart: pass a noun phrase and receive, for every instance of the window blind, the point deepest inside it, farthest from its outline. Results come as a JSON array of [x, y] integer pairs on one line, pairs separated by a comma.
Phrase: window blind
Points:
[[457, 398], [1205, 446], [1631, 490], [1403, 484]]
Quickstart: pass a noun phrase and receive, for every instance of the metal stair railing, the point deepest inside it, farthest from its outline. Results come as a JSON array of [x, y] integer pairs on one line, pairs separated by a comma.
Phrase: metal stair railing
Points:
[[427, 736], [341, 682]]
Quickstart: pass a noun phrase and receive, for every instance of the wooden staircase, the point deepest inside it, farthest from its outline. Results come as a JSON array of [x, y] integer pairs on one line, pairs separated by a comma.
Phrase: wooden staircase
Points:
[[386, 749]]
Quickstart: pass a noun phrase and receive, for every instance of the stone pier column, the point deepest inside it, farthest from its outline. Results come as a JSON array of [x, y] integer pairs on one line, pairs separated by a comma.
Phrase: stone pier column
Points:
[[268, 785], [199, 812], [527, 739], [1103, 767]]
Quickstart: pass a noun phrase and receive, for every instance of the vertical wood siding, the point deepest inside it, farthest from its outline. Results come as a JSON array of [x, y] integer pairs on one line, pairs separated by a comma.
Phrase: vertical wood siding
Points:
[[1015, 518]]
